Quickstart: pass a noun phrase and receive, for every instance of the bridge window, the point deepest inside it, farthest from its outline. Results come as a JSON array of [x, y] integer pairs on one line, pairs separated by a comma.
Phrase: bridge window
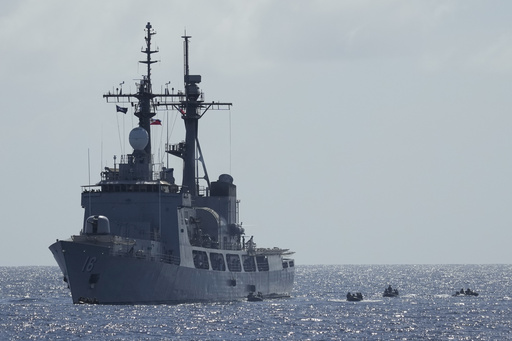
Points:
[[262, 263], [233, 263], [217, 260], [249, 265], [200, 259]]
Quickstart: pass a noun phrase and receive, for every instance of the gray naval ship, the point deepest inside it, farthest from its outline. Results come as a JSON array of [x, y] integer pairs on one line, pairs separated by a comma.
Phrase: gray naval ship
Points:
[[146, 239]]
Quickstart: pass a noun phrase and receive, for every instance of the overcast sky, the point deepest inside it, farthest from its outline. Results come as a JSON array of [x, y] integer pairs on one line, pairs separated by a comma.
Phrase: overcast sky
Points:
[[362, 132]]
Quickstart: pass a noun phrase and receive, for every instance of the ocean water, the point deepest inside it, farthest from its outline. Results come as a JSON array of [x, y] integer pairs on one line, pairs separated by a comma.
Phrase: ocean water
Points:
[[36, 305]]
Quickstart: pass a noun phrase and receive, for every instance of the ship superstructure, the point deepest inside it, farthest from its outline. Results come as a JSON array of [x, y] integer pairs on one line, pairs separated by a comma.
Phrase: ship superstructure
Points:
[[146, 239]]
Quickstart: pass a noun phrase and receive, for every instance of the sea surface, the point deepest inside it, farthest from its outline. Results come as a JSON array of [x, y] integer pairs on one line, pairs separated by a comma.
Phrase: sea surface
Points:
[[35, 304]]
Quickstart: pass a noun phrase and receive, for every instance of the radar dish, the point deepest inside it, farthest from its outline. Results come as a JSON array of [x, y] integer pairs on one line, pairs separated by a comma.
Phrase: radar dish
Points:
[[138, 138]]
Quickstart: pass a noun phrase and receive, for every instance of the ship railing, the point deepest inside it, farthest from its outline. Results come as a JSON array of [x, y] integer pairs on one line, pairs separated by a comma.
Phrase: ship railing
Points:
[[156, 169], [232, 246], [131, 187], [176, 148], [269, 251], [148, 256], [203, 191]]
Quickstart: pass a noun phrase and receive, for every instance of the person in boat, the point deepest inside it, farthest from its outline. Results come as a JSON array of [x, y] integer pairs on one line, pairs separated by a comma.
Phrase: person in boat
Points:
[[469, 292], [354, 297], [255, 296]]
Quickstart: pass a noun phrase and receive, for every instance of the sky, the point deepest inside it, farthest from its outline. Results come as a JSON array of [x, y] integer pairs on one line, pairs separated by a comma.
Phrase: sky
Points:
[[361, 132]]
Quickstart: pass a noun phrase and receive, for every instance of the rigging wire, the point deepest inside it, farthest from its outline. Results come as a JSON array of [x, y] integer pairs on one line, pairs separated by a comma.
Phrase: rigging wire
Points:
[[124, 134], [101, 149], [229, 140], [169, 133], [89, 175], [119, 133], [160, 154]]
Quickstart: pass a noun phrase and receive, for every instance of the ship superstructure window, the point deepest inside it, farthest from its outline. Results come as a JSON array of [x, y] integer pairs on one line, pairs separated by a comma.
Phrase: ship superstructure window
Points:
[[233, 263], [249, 265], [138, 188], [262, 263], [217, 260], [200, 259]]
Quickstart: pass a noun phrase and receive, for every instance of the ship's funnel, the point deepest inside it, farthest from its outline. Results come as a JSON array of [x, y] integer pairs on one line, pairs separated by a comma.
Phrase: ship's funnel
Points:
[[138, 138]]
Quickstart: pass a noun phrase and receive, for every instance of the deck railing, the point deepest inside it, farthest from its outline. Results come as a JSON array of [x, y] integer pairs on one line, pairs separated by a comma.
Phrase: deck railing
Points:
[[140, 254]]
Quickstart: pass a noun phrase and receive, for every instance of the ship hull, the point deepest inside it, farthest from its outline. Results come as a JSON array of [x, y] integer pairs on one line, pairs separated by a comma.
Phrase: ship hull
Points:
[[94, 275]]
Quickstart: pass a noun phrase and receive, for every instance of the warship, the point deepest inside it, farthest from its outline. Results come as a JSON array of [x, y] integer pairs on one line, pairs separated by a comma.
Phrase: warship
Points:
[[149, 240]]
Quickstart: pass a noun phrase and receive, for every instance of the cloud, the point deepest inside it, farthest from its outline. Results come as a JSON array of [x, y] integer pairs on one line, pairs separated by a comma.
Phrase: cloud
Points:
[[348, 115]]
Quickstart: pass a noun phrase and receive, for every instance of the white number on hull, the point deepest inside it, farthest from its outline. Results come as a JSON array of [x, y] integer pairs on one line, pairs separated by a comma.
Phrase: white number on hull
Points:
[[89, 264]]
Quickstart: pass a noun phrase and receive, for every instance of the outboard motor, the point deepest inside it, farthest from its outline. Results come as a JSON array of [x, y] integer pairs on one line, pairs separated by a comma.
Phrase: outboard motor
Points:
[[97, 224]]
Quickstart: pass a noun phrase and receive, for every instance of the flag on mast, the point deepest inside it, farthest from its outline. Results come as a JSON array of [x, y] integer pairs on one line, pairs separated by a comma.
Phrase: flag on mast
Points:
[[121, 109]]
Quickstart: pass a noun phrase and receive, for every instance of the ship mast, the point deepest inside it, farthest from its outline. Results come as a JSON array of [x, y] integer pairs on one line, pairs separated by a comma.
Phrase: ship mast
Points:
[[145, 102], [144, 93], [191, 119], [146, 96], [191, 106]]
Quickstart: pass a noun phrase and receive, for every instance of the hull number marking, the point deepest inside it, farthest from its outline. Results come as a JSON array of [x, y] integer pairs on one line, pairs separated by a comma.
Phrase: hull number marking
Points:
[[89, 264]]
